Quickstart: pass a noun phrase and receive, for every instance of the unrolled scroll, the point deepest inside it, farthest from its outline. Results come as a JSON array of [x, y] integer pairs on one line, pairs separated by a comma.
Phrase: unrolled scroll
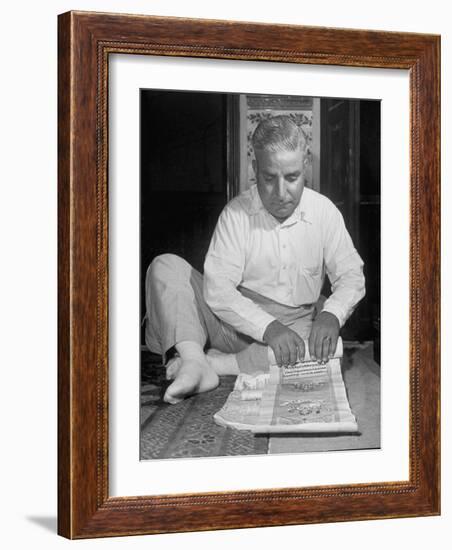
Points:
[[304, 398]]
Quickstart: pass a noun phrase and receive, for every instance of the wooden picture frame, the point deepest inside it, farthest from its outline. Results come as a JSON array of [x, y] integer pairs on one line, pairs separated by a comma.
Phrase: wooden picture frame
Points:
[[85, 42]]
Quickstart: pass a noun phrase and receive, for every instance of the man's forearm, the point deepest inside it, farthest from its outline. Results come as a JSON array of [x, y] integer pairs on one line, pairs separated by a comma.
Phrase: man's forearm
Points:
[[348, 291]]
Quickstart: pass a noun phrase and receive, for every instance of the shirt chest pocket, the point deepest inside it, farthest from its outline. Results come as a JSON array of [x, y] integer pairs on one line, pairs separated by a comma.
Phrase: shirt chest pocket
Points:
[[311, 263], [309, 283], [310, 254]]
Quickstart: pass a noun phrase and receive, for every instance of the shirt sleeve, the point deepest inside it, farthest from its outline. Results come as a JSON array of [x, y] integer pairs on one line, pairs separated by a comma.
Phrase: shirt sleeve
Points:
[[344, 268], [223, 272]]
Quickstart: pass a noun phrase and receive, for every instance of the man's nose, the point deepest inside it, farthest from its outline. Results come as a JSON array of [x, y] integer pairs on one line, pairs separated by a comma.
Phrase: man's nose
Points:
[[280, 189]]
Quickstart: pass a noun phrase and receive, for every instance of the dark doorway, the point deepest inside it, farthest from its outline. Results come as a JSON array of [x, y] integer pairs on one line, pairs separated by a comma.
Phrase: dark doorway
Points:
[[184, 179], [350, 177]]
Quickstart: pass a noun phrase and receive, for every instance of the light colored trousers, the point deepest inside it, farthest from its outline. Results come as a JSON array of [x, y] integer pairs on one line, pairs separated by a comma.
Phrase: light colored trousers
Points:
[[176, 311]]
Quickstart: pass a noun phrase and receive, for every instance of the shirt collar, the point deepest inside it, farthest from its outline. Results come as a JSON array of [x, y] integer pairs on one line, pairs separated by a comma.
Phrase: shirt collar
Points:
[[301, 212]]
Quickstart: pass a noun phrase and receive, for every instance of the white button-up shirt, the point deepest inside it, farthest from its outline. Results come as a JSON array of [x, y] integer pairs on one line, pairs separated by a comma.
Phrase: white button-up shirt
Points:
[[285, 262]]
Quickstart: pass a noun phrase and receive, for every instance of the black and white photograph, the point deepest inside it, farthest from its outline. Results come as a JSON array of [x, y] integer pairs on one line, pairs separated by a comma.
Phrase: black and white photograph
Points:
[[260, 274]]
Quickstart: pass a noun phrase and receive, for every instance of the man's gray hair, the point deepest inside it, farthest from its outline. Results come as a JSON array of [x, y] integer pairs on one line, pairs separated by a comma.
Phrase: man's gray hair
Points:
[[278, 133]]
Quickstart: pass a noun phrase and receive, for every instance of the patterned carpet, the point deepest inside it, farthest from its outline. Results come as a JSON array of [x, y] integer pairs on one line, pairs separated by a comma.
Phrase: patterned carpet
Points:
[[187, 429]]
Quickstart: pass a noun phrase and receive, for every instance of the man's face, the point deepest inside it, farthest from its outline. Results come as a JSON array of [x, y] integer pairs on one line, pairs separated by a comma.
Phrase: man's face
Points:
[[280, 181]]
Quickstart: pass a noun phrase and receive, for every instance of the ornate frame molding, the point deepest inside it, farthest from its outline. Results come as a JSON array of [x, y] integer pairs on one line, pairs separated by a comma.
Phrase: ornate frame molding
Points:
[[85, 42]]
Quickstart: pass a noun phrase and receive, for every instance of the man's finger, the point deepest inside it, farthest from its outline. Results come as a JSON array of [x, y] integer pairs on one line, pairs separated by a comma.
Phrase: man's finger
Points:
[[312, 342], [285, 355], [318, 346], [277, 352], [333, 345], [301, 351], [293, 353], [326, 348]]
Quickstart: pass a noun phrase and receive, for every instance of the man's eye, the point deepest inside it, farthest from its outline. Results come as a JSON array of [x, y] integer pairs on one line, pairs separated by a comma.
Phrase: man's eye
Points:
[[291, 179]]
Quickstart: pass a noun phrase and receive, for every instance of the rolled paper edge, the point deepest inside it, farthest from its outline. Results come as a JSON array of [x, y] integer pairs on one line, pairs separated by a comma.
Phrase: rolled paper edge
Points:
[[336, 427], [338, 354], [218, 419], [251, 395]]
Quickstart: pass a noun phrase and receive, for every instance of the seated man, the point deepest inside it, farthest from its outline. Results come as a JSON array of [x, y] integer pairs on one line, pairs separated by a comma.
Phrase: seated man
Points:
[[263, 274]]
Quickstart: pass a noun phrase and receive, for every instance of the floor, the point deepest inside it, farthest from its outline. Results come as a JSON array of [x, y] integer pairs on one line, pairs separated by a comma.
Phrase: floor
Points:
[[188, 430]]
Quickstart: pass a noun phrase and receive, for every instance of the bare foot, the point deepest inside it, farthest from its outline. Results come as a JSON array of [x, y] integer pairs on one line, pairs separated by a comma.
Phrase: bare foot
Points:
[[173, 366], [222, 363], [193, 376]]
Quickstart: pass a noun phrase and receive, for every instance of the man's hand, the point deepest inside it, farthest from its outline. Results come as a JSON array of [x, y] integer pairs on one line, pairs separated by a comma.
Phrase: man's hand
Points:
[[323, 337], [287, 346]]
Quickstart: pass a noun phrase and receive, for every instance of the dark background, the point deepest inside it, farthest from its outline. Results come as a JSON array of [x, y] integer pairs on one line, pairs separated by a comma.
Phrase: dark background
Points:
[[189, 170]]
